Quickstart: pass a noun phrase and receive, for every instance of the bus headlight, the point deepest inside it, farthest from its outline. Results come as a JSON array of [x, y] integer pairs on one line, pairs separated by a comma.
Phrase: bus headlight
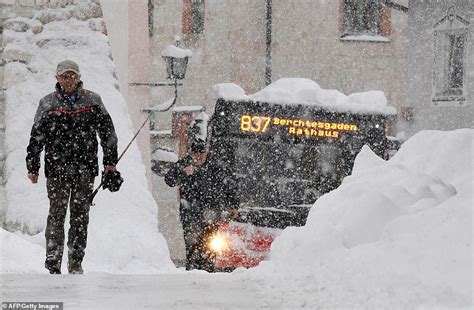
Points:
[[218, 243]]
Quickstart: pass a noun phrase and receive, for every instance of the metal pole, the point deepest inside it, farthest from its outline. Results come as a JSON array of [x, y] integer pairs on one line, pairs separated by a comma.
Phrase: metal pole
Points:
[[268, 41], [175, 91], [120, 157], [152, 125]]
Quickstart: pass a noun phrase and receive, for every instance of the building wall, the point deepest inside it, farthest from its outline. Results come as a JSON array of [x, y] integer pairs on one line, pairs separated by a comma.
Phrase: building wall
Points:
[[231, 49], [116, 18], [139, 72], [305, 43], [166, 25], [423, 16]]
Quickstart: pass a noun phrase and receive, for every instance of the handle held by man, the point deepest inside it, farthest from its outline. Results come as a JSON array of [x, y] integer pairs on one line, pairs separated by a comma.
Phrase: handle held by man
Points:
[[113, 180], [115, 185]]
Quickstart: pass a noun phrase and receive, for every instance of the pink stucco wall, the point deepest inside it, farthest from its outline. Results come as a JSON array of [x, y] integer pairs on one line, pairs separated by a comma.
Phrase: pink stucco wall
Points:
[[139, 61]]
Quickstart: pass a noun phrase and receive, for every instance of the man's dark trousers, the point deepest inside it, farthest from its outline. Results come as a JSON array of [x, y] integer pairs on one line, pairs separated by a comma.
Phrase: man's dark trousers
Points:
[[75, 190]]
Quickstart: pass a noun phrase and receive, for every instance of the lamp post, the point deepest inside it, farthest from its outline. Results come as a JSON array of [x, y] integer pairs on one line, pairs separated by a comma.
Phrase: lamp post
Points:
[[176, 60]]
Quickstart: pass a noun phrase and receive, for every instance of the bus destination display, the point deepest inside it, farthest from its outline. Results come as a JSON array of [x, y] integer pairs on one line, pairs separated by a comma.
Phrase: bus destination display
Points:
[[297, 127]]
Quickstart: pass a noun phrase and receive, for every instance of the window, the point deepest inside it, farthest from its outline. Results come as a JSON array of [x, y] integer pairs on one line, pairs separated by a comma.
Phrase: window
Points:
[[450, 63], [362, 17], [449, 66], [193, 16], [197, 16]]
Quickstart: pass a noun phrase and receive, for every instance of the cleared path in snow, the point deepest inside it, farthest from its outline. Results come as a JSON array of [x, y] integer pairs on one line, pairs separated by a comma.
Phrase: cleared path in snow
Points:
[[170, 291]]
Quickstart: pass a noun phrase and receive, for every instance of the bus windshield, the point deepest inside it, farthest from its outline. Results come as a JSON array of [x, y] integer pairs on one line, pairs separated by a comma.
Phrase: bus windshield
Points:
[[285, 157], [278, 174]]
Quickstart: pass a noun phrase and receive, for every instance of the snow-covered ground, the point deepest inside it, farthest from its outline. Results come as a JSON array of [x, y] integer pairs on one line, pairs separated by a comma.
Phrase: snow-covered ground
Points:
[[395, 234]]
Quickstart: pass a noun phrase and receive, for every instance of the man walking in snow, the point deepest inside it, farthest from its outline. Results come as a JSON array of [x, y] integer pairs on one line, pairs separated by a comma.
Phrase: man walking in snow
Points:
[[66, 126]]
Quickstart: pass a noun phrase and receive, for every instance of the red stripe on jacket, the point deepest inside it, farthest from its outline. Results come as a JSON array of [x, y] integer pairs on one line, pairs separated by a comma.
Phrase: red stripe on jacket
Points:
[[84, 109]]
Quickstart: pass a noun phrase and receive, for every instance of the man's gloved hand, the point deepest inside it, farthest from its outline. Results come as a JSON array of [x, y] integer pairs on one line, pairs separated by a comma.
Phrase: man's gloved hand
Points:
[[234, 213], [33, 177], [111, 179], [109, 168], [186, 165], [185, 162]]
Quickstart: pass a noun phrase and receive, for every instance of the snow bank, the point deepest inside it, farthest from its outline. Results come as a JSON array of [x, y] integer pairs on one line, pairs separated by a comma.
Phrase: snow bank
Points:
[[19, 255], [123, 230], [395, 233], [304, 91]]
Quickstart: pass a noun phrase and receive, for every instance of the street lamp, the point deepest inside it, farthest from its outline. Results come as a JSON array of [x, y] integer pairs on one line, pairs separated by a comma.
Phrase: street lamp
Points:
[[176, 60]]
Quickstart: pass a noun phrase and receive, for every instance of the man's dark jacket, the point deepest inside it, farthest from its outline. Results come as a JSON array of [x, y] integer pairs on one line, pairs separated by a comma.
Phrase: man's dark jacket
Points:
[[210, 188], [67, 130]]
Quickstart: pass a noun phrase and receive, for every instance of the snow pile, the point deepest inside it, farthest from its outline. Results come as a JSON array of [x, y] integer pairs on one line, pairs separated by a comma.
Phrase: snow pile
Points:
[[17, 254], [229, 91], [123, 229], [304, 91], [396, 233]]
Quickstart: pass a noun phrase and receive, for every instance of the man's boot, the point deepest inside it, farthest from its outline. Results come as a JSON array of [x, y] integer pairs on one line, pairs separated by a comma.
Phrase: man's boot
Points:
[[74, 267], [53, 265], [54, 271]]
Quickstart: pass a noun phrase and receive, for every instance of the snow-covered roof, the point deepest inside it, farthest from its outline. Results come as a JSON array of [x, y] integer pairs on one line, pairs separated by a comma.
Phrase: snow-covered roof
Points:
[[188, 108], [164, 155], [290, 91]]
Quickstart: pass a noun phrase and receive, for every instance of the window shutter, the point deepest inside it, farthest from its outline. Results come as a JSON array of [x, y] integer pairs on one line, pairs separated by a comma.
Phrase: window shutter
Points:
[[193, 16]]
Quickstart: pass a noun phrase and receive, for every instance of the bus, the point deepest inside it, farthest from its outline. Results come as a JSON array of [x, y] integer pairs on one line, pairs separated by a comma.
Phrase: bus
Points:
[[283, 157], [284, 152]]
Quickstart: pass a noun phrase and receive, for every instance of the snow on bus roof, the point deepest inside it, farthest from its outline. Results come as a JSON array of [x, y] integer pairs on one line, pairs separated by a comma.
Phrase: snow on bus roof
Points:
[[305, 91]]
